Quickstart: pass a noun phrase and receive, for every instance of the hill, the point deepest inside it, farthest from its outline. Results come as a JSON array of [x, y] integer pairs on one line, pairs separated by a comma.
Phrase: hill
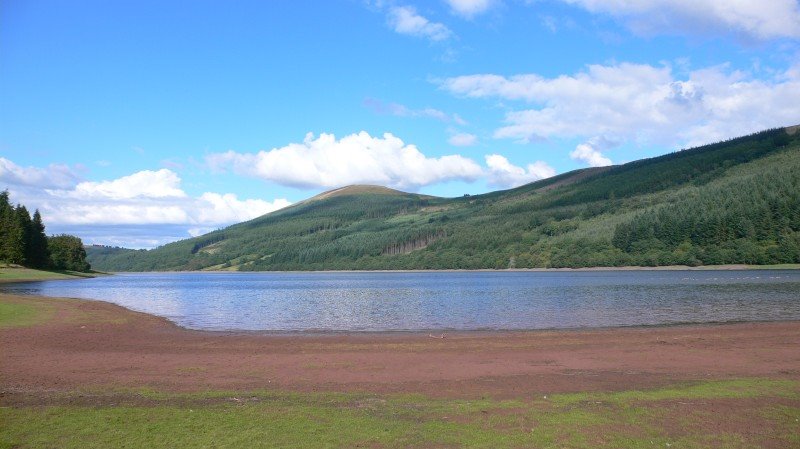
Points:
[[356, 190], [736, 201]]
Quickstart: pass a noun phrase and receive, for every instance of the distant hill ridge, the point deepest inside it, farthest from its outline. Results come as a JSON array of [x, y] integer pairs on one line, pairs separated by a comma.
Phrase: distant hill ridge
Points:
[[359, 189], [730, 202]]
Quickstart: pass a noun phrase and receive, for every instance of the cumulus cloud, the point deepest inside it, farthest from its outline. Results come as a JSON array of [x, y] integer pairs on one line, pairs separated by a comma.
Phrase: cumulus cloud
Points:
[[328, 162], [147, 201], [146, 184], [463, 140], [503, 173], [210, 209], [379, 107], [470, 8], [227, 208], [52, 176], [585, 152], [639, 102], [149, 197], [757, 19], [406, 20]]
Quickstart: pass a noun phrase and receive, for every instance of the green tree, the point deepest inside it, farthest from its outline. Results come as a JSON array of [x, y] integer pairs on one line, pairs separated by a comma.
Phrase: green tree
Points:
[[38, 253], [6, 225], [25, 226], [13, 244], [67, 253]]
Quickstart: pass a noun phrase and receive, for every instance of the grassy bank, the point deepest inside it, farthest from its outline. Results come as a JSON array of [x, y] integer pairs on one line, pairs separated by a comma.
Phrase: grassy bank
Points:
[[15, 273], [731, 414], [19, 315]]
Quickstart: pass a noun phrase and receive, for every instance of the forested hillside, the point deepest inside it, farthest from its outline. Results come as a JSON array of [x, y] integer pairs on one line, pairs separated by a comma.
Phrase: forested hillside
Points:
[[731, 202]]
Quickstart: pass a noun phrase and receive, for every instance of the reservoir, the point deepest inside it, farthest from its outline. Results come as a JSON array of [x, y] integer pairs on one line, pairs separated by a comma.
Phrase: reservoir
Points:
[[441, 301]]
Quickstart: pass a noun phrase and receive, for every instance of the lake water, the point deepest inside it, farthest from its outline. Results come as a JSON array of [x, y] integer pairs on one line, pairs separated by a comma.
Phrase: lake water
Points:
[[382, 301]]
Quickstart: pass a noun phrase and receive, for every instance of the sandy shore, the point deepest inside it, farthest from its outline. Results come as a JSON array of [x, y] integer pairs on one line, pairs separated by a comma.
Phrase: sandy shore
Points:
[[90, 344]]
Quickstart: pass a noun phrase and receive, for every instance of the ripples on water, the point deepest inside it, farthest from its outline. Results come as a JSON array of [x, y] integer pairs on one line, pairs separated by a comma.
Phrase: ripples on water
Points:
[[379, 301]]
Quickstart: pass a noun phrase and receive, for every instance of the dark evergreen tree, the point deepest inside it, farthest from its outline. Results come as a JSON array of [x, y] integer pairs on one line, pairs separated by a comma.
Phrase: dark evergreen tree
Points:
[[38, 253], [24, 242], [13, 250], [24, 225], [6, 224]]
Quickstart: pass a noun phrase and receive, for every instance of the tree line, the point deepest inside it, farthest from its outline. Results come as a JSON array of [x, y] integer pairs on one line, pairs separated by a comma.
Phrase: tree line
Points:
[[23, 241]]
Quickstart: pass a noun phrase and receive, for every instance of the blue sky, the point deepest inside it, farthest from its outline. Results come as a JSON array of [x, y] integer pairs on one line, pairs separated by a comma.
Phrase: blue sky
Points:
[[138, 123]]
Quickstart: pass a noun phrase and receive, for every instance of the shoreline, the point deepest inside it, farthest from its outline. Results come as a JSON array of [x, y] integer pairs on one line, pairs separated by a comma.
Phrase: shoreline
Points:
[[458, 332], [97, 344], [432, 333], [20, 274], [728, 267], [312, 333]]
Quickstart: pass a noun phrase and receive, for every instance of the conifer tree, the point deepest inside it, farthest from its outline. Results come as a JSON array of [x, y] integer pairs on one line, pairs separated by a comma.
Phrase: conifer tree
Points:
[[38, 253], [25, 225], [13, 250], [6, 218], [24, 242]]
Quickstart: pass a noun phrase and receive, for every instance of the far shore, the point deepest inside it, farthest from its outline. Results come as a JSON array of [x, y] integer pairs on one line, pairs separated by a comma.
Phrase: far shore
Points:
[[730, 267], [15, 274]]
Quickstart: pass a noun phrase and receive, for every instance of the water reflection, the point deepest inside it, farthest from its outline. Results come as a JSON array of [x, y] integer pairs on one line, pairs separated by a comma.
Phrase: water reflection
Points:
[[447, 300]]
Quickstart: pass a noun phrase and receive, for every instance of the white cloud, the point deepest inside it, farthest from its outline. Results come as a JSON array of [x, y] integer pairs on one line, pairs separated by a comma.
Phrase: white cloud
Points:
[[470, 8], [146, 184], [210, 209], [463, 140], [757, 19], [639, 102], [379, 107], [141, 204], [503, 173], [149, 197], [587, 153], [114, 213], [227, 208], [406, 20], [53, 176], [354, 159]]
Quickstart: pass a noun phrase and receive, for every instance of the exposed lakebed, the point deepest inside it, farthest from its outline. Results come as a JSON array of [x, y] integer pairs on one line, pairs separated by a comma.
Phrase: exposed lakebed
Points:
[[412, 301]]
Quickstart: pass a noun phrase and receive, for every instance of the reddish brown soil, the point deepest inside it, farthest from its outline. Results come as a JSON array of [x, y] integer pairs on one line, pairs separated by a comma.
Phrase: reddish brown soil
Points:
[[89, 344]]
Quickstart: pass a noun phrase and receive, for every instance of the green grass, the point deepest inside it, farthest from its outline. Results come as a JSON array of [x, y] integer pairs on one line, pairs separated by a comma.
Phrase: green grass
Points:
[[733, 389], [642, 419], [18, 315], [20, 274]]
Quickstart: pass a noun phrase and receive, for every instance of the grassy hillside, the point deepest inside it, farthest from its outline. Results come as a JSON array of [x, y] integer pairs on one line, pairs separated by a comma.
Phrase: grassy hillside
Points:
[[731, 202]]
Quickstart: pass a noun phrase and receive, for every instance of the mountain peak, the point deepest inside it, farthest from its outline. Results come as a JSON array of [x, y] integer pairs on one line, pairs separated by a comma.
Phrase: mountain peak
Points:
[[359, 189]]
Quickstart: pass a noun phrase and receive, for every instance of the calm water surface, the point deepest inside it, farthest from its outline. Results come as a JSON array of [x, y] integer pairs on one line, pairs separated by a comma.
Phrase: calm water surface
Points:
[[442, 300]]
